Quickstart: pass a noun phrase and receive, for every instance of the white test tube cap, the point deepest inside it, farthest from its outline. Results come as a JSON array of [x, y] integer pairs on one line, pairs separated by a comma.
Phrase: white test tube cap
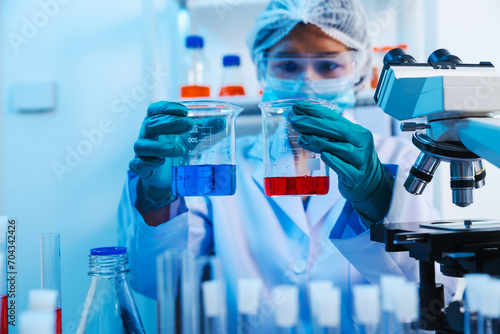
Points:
[[367, 304], [316, 293], [475, 284], [490, 303], [249, 295], [286, 302], [407, 302], [40, 322], [42, 299], [329, 308], [213, 298], [389, 286]]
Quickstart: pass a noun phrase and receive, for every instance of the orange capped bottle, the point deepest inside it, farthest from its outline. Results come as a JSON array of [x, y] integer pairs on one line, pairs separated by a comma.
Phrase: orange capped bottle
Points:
[[232, 80], [196, 76]]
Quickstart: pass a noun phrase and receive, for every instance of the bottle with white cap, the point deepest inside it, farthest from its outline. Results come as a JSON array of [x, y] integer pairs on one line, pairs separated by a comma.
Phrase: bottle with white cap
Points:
[[367, 309], [249, 292], [407, 307], [325, 301], [212, 296], [286, 308], [388, 293], [328, 320], [476, 290]]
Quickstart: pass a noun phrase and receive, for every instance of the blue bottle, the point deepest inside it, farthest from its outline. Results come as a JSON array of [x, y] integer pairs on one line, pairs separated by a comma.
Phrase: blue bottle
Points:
[[109, 306]]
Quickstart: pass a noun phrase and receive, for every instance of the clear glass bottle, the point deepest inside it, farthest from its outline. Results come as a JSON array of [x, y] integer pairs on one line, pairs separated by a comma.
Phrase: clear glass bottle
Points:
[[196, 74], [232, 79], [109, 306]]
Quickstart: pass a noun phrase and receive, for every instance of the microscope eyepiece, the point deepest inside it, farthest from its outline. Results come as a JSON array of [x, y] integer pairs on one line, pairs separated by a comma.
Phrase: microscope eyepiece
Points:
[[398, 56], [443, 55]]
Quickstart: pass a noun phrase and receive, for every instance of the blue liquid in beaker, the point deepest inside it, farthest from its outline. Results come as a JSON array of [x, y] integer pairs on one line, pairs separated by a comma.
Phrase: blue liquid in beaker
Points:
[[204, 180]]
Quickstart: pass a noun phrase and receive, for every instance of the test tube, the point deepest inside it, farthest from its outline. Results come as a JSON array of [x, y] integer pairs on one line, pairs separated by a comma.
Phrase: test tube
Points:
[[51, 270], [389, 291], [407, 307], [42, 299], [211, 288], [328, 320], [366, 309], [40, 322], [490, 306], [176, 303], [4, 304], [249, 293], [474, 291], [316, 294], [286, 308]]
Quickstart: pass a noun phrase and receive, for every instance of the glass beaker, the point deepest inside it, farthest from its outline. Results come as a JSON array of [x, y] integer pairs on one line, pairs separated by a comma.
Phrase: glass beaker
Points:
[[290, 169], [208, 167]]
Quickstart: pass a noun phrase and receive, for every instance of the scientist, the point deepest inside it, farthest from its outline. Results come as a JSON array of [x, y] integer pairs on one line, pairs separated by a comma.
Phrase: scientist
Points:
[[302, 49]]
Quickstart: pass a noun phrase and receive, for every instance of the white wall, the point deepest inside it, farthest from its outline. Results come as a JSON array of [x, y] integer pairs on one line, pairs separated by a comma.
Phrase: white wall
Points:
[[92, 51], [470, 31]]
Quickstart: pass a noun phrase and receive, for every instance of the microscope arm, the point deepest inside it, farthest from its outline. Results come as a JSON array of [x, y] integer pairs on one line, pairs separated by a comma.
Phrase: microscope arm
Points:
[[481, 136]]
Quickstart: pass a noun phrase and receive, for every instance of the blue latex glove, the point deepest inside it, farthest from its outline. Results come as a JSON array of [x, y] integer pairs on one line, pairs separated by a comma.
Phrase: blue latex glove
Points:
[[348, 149], [152, 162]]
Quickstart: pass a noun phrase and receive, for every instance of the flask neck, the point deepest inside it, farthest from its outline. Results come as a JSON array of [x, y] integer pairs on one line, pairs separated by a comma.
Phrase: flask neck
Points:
[[108, 265]]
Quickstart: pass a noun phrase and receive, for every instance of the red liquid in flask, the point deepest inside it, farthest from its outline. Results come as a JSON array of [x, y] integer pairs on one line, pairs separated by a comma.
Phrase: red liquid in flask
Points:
[[300, 185], [232, 91], [195, 91], [58, 321], [4, 325]]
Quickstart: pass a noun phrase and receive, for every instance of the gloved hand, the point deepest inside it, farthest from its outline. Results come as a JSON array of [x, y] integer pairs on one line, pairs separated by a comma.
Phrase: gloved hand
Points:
[[348, 149], [154, 190]]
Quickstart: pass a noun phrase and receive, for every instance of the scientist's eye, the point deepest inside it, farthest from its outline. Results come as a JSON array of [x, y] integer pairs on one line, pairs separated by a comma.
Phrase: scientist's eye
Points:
[[327, 67], [287, 67]]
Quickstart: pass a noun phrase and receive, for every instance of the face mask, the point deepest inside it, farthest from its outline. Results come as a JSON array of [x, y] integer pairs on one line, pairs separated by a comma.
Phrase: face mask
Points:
[[337, 90]]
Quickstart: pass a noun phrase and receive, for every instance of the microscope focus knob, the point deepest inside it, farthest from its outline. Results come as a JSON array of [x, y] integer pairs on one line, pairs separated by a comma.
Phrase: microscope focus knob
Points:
[[412, 126]]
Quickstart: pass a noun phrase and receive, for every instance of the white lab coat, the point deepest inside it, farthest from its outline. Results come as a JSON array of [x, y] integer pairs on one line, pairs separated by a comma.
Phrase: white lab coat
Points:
[[275, 238]]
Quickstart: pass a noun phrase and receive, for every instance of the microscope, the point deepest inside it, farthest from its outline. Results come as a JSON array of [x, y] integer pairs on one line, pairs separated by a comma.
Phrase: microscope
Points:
[[457, 105]]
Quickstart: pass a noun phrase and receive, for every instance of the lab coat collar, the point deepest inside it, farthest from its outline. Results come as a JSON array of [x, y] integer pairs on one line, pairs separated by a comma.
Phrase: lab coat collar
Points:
[[293, 206]]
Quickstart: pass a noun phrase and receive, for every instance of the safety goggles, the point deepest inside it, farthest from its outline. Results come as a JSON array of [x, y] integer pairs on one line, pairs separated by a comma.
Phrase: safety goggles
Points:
[[311, 66]]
